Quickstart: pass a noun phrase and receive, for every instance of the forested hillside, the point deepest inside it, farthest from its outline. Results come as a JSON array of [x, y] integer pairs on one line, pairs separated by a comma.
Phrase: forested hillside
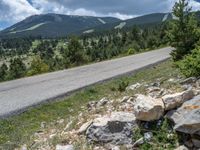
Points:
[[29, 56]]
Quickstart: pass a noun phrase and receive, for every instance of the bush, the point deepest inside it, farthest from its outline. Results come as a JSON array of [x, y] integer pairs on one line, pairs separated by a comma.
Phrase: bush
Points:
[[130, 51], [122, 86], [190, 65], [37, 67]]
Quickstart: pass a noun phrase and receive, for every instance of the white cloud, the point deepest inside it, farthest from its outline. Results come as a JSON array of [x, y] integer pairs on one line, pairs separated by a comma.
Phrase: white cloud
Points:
[[15, 10], [12, 11], [192, 3], [195, 5], [122, 16]]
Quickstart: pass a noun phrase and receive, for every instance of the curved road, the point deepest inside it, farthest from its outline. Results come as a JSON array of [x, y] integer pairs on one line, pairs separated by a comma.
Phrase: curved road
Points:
[[17, 95]]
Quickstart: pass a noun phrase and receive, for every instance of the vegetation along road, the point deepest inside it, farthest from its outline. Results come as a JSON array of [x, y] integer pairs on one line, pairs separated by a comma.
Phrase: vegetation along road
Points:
[[18, 95]]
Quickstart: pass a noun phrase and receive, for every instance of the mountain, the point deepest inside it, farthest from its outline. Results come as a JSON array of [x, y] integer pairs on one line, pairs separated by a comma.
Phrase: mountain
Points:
[[146, 20], [54, 25]]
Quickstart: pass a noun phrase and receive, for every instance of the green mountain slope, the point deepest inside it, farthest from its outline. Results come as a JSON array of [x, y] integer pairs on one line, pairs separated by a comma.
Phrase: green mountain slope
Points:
[[146, 20], [54, 25]]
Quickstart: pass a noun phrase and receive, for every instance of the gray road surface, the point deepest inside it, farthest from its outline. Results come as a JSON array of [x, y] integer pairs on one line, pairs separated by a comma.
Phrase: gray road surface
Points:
[[17, 95]]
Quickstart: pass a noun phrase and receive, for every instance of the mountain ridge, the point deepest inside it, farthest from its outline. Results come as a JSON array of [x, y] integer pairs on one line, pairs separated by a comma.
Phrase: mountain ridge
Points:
[[59, 25]]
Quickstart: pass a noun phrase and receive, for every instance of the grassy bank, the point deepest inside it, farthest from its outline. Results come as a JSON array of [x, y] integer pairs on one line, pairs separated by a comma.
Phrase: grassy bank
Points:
[[18, 130]]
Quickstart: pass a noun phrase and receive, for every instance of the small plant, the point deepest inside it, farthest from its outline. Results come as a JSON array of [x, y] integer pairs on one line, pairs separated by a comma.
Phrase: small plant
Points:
[[131, 51], [123, 85]]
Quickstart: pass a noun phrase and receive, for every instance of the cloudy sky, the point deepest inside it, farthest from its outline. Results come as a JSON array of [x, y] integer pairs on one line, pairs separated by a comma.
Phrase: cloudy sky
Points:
[[12, 11]]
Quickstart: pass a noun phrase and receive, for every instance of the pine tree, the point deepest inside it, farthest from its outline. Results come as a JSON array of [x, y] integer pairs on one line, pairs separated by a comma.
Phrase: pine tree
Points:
[[183, 33]]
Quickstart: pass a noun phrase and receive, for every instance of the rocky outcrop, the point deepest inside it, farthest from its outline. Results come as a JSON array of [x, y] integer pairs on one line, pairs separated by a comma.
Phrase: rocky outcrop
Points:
[[147, 108], [187, 117], [175, 100], [115, 128]]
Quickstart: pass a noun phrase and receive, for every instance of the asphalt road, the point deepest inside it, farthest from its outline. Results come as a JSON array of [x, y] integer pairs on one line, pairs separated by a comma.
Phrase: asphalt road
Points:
[[18, 95]]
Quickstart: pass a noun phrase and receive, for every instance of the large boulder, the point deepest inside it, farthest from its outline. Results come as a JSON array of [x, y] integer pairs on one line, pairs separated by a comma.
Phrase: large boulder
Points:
[[187, 117], [175, 100], [147, 108], [115, 128]]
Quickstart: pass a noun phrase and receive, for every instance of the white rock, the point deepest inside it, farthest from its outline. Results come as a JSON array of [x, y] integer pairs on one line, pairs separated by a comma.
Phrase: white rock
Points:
[[133, 87], [138, 142], [147, 108], [84, 127], [24, 147], [148, 136], [175, 100], [102, 102], [124, 99], [64, 147], [182, 147], [115, 148]]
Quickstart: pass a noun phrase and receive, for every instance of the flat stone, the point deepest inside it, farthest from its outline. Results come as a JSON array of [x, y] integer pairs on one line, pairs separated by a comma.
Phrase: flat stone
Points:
[[115, 128]]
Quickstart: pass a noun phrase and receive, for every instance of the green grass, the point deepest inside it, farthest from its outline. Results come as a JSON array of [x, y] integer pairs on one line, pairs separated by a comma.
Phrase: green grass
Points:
[[19, 129]]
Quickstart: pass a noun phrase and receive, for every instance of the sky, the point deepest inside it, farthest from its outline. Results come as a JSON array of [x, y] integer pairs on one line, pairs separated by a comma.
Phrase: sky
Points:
[[13, 11]]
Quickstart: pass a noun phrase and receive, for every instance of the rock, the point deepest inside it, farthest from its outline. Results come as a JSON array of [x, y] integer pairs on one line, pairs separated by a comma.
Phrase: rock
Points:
[[189, 144], [84, 127], [182, 147], [97, 104], [133, 87], [187, 117], [102, 102], [156, 84], [91, 105], [24, 147], [115, 128], [196, 143], [43, 124], [138, 142], [173, 80], [148, 136], [124, 99], [153, 89], [196, 92], [64, 147], [189, 80], [147, 108], [175, 100], [198, 83], [60, 121], [186, 87], [115, 148]]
